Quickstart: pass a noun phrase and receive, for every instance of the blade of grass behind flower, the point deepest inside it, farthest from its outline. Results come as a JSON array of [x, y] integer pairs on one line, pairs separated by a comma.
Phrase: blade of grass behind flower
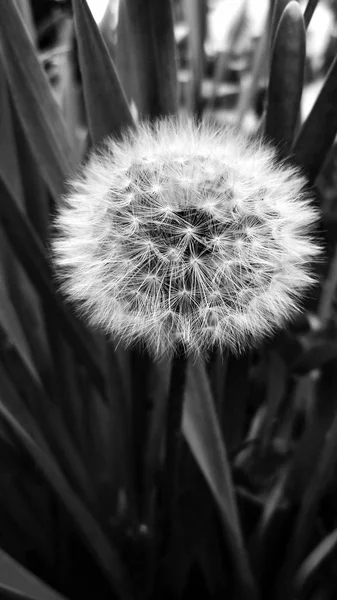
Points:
[[320, 476], [106, 105], [276, 388], [30, 253], [202, 432], [119, 442], [232, 409], [158, 390], [25, 9], [24, 512], [21, 583], [271, 525], [328, 292], [36, 194], [16, 538], [21, 292], [39, 114], [309, 11], [59, 377], [146, 41], [108, 28], [309, 447], [315, 561], [318, 132], [286, 78], [69, 89], [279, 7], [39, 410], [195, 11], [105, 554], [9, 316]]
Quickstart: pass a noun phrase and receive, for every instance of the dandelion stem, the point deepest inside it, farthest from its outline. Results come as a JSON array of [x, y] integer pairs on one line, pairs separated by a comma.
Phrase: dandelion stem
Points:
[[175, 404]]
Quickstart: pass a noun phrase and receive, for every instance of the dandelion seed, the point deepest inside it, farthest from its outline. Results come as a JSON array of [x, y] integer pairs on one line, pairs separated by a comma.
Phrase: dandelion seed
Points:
[[185, 234]]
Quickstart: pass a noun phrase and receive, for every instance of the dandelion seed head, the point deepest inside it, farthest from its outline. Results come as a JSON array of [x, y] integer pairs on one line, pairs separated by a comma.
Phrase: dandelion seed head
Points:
[[186, 234]]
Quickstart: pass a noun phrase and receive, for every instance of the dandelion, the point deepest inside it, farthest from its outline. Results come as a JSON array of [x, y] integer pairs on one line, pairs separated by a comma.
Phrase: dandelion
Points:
[[186, 234]]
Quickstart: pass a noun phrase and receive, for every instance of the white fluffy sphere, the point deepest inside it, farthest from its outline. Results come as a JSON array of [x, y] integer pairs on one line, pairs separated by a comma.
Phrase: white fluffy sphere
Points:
[[186, 234]]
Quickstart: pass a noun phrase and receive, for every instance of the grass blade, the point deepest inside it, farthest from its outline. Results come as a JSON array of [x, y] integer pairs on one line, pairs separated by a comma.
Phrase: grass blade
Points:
[[320, 476], [36, 194], [25, 8], [309, 447], [9, 316], [319, 129], [233, 405], [106, 105], [30, 253], [102, 550], [202, 432], [47, 414], [25, 301], [195, 11], [279, 7], [17, 580], [39, 114], [315, 560], [276, 387], [309, 11], [286, 78], [145, 31]]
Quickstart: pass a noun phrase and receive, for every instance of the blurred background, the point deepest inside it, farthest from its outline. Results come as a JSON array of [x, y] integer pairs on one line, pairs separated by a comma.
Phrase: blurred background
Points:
[[217, 42], [222, 52]]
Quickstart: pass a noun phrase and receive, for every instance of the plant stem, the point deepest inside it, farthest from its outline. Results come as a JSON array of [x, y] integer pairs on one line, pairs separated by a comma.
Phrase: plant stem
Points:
[[175, 404], [309, 11]]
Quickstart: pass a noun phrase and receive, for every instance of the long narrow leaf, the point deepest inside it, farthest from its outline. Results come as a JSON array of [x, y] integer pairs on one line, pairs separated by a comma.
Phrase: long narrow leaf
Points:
[[37, 109], [30, 252], [195, 11], [106, 105], [16, 579], [315, 560], [202, 432], [22, 294], [276, 380], [309, 447], [148, 38], [309, 11], [106, 556], [47, 413], [279, 7], [319, 129], [286, 78], [312, 495], [233, 405], [36, 193], [9, 316]]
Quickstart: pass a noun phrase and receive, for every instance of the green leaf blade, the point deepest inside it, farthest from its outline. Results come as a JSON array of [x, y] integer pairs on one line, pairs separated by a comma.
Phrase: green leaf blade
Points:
[[39, 114], [146, 45], [30, 253], [102, 549], [107, 108], [286, 78], [202, 432], [19, 582], [319, 129], [315, 561]]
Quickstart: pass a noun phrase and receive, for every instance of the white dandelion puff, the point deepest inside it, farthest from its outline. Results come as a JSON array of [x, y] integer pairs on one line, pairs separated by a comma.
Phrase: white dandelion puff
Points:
[[186, 234]]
